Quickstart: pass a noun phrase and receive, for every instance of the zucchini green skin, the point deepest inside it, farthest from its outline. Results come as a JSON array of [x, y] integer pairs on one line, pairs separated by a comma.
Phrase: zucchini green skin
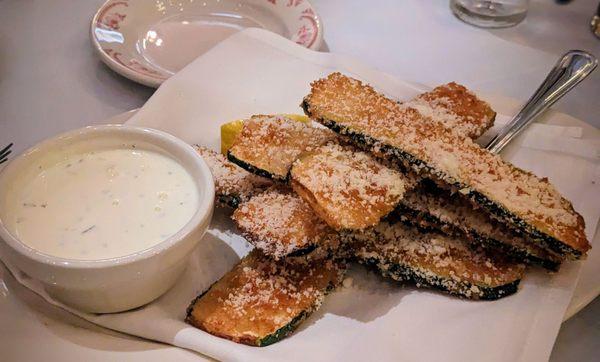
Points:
[[298, 252], [274, 337], [302, 252], [190, 308], [400, 272], [523, 227], [280, 333], [510, 251], [369, 143], [232, 201], [292, 325], [255, 170], [284, 331], [474, 237]]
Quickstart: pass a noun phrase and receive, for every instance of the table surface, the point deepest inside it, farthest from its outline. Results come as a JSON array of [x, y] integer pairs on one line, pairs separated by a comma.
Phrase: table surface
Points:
[[51, 81]]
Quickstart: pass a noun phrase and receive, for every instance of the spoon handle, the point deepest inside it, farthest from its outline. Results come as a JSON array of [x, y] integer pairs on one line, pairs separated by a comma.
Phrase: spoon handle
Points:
[[571, 69]]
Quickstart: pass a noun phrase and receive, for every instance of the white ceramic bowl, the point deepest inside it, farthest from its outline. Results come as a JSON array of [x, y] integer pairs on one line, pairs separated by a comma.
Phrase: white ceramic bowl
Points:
[[122, 283], [148, 41]]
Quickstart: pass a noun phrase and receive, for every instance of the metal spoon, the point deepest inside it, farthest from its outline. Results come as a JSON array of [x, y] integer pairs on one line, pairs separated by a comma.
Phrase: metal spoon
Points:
[[571, 69], [5, 152]]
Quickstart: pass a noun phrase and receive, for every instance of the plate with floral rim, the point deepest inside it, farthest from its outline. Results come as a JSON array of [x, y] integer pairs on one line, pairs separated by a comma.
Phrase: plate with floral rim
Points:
[[149, 41]]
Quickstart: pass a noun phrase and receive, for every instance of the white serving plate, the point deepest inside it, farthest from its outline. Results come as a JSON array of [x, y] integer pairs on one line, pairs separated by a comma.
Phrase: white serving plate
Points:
[[63, 340], [66, 337], [148, 41]]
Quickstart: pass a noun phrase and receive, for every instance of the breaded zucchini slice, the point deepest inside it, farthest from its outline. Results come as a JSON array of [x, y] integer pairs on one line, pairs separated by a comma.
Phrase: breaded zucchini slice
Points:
[[260, 301], [347, 188], [431, 207], [230, 130], [281, 224], [268, 145], [522, 200], [456, 108], [435, 260], [233, 185]]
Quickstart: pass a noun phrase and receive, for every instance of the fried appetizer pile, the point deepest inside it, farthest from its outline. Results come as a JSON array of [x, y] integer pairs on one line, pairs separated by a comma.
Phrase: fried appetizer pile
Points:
[[521, 200], [399, 187]]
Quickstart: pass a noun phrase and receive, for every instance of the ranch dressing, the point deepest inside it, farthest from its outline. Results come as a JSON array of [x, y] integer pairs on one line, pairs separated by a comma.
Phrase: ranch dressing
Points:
[[103, 204]]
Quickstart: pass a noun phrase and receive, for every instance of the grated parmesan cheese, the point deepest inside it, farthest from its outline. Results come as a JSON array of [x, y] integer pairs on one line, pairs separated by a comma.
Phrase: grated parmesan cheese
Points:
[[259, 296], [457, 213], [279, 223], [269, 144], [435, 257], [230, 180], [527, 202], [348, 188], [456, 108]]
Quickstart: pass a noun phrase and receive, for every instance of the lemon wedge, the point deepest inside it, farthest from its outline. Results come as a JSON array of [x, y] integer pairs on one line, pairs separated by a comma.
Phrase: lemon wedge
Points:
[[230, 130]]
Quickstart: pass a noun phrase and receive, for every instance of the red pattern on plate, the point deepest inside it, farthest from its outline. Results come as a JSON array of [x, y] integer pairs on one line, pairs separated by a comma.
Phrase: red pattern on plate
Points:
[[109, 19], [113, 20], [307, 34], [134, 65]]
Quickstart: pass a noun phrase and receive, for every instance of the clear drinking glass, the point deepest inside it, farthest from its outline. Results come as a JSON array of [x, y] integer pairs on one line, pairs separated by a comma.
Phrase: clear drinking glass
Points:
[[490, 13]]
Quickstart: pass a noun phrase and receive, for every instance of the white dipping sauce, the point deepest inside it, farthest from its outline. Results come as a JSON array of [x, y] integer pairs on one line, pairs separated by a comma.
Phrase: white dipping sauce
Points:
[[103, 204]]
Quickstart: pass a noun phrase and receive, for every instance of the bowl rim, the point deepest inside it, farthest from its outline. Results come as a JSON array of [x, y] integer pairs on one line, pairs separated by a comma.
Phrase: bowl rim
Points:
[[156, 81], [150, 135]]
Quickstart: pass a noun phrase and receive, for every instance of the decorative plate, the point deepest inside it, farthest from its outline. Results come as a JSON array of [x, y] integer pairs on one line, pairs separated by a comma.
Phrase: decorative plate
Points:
[[148, 41]]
